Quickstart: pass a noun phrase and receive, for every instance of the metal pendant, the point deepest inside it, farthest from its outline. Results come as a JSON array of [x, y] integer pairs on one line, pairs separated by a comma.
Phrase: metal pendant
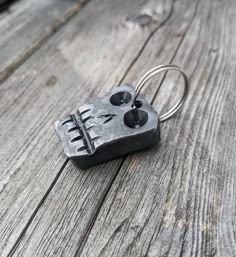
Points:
[[118, 123]]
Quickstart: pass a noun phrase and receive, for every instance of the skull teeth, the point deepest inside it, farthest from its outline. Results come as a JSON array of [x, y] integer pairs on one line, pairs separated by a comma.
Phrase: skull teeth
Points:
[[76, 139]]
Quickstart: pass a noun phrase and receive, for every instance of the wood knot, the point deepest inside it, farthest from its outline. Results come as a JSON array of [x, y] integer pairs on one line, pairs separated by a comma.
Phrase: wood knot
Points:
[[142, 20], [51, 81]]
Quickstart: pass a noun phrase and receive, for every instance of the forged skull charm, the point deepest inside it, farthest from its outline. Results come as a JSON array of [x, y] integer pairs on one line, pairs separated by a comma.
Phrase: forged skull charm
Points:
[[109, 127], [118, 123]]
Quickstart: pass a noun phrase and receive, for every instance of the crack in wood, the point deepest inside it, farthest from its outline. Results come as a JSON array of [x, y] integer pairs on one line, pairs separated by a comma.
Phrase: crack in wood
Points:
[[109, 185]]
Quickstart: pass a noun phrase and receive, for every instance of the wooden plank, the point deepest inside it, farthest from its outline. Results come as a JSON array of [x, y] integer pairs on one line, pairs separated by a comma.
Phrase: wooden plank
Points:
[[64, 71], [27, 25], [64, 220], [178, 199]]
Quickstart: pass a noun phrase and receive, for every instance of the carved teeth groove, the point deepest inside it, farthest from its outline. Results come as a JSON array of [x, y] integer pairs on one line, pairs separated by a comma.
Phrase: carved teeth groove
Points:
[[76, 139], [104, 116], [109, 119], [84, 135], [95, 138], [66, 121], [87, 118], [83, 112], [72, 129], [89, 127], [82, 148]]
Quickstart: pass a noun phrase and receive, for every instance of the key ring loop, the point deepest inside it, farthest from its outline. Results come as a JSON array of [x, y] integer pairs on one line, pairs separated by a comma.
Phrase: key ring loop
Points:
[[157, 70]]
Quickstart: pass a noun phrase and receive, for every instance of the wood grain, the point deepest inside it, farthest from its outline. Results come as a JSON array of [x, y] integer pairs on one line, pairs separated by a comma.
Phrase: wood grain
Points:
[[50, 233], [62, 73], [175, 199], [178, 199], [27, 25]]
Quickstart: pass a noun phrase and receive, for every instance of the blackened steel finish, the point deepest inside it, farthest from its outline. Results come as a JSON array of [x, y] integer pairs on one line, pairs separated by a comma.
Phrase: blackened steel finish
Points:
[[108, 127]]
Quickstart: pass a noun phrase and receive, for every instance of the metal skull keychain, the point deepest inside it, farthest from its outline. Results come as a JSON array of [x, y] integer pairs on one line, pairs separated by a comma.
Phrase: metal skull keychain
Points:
[[118, 123]]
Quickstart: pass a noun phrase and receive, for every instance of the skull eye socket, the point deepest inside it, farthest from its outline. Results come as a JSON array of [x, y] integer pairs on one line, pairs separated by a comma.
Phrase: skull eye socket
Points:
[[120, 98], [135, 118]]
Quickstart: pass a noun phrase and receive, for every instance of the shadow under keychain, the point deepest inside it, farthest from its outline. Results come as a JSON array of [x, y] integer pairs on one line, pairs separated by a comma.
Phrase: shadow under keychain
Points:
[[118, 123]]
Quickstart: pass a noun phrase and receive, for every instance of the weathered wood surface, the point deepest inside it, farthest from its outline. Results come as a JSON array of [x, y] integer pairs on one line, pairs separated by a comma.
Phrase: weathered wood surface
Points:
[[27, 25], [176, 199], [30, 103]]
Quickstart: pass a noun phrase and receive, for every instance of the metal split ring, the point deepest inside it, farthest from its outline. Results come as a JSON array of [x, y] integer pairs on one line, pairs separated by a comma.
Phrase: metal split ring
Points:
[[157, 70]]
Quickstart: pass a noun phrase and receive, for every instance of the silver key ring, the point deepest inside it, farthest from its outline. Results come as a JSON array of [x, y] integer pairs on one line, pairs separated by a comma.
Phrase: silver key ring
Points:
[[157, 70]]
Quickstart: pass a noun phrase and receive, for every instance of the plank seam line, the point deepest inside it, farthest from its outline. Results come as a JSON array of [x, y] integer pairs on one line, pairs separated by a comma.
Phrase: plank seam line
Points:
[[18, 240], [176, 51], [147, 41], [97, 210], [100, 204], [16, 65], [104, 196], [67, 17], [93, 219], [194, 15]]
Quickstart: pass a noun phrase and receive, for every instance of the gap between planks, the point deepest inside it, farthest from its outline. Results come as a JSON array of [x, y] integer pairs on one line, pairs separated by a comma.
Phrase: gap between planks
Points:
[[100, 203], [93, 219], [122, 72]]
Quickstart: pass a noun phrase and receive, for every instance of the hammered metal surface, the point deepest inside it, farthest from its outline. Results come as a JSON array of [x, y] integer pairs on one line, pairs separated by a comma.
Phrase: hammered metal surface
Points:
[[107, 127]]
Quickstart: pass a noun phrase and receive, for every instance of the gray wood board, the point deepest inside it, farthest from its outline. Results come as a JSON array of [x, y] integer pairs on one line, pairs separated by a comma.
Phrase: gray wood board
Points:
[[27, 25], [178, 199], [46, 236], [175, 199], [63, 73]]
